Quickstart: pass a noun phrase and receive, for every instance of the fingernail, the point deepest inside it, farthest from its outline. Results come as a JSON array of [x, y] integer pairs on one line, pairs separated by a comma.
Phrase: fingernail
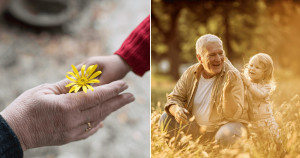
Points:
[[125, 86], [101, 125], [130, 97]]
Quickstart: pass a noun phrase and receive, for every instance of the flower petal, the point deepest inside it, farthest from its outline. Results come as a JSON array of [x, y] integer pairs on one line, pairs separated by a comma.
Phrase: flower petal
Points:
[[82, 70], [84, 89], [95, 75], [71, 79], [88, 70], [77, 88], [94, 81], [75, 70], [72, 89], [90, 87], [92, 70], [71, 73], [70, 84]]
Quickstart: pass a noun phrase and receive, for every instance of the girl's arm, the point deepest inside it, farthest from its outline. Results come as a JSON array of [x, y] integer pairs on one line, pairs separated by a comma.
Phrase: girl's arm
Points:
[[258, 92], [262, 92]]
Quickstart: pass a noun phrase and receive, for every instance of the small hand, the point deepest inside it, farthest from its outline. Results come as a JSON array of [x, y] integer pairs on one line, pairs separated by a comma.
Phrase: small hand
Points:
[[113, 67]]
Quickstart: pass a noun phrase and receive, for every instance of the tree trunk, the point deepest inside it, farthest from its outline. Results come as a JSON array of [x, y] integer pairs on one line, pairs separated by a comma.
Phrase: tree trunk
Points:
[[227, 35], [173, 43]]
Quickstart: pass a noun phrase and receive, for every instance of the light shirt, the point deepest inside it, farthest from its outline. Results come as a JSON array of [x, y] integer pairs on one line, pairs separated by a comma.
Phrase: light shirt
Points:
[[202, 108]]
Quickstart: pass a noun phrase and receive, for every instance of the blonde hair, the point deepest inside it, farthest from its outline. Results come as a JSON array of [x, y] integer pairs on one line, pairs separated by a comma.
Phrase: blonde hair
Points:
[[203, 40], [268, 67]]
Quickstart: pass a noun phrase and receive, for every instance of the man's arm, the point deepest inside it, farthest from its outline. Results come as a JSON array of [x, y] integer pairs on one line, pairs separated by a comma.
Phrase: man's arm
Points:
[[178, 96], [177, 99]]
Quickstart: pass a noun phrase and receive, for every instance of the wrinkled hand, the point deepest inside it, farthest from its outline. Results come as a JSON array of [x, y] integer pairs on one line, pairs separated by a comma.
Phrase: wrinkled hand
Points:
[[113, 67], [48, 115], [180, 114]]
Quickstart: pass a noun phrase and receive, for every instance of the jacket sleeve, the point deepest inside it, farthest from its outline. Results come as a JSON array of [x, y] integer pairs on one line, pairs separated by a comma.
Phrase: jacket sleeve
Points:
[[135, 50], [233, 97], [10, 146], [179, 94]]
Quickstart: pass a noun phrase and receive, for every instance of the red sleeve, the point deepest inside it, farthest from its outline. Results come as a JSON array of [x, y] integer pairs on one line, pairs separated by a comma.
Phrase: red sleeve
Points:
[[135, 50]]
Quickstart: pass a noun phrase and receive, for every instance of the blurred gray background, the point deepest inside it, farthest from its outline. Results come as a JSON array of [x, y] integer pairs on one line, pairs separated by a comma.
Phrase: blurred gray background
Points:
[[30, 56]]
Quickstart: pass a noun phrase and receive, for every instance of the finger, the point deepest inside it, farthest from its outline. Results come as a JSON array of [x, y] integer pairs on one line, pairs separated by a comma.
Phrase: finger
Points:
[[185, 121], [100, 94], [60, 86], [186, 111], [181, 120], [178, 119], [100, 112], [88, 133], [99, 67], [84, 127], [181, 115]]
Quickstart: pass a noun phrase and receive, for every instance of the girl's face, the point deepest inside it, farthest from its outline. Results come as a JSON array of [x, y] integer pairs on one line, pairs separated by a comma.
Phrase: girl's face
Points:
[[255, 70]]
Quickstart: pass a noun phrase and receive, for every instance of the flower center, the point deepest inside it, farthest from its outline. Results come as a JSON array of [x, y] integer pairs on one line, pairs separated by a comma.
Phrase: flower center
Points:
[[82, 81]]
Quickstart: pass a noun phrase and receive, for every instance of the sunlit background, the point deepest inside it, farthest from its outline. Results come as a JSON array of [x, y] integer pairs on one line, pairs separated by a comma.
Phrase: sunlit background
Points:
[[34, 51], [246, 28]]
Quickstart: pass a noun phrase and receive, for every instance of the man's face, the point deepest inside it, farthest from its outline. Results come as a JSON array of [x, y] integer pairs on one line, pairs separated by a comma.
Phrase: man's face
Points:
[[213, 59]]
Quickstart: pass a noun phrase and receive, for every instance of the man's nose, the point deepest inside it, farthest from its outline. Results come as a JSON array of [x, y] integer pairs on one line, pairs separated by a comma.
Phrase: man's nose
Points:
[[218, 57]]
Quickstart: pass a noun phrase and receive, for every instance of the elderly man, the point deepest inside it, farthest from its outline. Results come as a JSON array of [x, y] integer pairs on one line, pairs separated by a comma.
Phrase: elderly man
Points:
[[208, 99]]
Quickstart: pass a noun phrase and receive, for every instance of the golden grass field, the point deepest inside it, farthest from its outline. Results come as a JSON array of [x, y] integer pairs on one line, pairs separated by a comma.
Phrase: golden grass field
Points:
[[286, 109]]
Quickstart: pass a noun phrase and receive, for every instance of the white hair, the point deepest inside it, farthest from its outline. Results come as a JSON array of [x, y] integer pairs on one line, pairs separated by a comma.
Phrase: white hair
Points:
[[203, 40]]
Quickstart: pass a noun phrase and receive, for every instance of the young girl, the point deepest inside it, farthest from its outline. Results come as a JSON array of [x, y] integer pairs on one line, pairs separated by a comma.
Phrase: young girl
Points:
[[258, 80]]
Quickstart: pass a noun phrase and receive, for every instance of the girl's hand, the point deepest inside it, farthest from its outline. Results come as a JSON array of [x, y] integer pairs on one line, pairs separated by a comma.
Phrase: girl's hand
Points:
[[245, 80], [113, 68]]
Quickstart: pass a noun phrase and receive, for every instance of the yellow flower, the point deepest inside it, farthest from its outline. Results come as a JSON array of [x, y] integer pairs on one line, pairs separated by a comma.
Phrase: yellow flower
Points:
[[83, 81]]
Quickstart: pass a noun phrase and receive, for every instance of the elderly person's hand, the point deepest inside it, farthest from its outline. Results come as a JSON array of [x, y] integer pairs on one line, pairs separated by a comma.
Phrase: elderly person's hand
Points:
[[113, 67], [48, 115], [179, 113]]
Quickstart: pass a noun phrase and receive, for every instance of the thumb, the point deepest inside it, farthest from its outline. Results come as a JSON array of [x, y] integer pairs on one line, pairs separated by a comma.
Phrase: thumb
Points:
[[59, 87]]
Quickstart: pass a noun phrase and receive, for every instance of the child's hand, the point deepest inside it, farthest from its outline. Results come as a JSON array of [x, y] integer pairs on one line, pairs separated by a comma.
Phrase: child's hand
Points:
[[113, 67], [245, 80]]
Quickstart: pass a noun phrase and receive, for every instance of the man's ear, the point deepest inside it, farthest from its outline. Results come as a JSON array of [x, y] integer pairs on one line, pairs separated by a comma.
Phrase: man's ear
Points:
[[199, 57]]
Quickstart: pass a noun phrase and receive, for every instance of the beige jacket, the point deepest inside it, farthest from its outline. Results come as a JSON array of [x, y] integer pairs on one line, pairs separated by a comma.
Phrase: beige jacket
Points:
[[228, 103]]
